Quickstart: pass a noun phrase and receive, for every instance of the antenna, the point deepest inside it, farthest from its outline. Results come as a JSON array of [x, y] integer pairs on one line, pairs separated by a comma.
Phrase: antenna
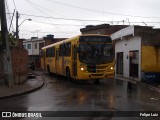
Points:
[[144, 23]]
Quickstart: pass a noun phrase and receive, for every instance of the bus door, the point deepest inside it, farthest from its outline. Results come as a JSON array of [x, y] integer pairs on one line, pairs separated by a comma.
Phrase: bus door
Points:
[[57, 61], [74, 60]]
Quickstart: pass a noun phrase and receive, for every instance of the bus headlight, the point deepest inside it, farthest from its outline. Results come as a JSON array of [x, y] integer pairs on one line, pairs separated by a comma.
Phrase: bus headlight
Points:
[[82, 68], [111, 68]]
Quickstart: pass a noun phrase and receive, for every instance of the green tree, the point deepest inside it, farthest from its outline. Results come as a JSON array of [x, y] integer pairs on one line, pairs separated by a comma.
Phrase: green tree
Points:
[[11, 39]]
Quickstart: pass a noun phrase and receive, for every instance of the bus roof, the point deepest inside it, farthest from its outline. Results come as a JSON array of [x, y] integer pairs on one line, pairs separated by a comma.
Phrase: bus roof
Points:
[[69, 39]]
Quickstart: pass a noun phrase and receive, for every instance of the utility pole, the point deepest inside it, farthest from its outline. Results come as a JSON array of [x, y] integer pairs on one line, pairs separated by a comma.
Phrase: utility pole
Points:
[[7, 55], [17, 31]]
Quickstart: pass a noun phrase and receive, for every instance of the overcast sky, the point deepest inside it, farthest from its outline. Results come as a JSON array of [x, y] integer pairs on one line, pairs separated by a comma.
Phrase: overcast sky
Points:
[[64, 18]]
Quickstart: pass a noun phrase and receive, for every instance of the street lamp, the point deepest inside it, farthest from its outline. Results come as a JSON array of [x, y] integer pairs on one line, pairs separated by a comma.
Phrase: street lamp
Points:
[[17, 26], [24, 20]]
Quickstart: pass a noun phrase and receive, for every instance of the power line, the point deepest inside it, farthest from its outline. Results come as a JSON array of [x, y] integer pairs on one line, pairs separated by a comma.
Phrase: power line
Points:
[[63, 18], [97, 11], [53, 31], [14, 5], [39, 8], [11, 22], [32, 3], [59, 24], [10, 18], [81, 19], [35, 7]]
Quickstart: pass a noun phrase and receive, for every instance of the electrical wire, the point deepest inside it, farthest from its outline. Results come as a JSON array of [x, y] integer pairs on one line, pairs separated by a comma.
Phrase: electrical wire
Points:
[[41, 7], [63, 18], [36, 6], [14, 5], [97, 11], [81, 19], [59, 24], [9, 17], [12, 21]]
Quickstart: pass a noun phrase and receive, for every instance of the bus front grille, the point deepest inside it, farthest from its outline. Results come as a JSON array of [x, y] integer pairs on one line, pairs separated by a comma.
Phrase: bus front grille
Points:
[[91, 68], [98, 75]]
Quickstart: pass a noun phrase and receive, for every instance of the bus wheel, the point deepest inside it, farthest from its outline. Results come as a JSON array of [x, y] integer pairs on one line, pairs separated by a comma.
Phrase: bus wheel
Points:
[[68, 75], [48, 70], [97, 81]]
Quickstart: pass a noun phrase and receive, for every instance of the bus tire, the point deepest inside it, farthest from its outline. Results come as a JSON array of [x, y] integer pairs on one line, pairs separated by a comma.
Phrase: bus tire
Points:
[[97, 81], [48, 70], [68, 74]]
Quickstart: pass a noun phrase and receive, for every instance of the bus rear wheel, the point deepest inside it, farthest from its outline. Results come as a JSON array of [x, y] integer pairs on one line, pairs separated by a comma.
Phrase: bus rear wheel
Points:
[[48, 70], [68, 75]]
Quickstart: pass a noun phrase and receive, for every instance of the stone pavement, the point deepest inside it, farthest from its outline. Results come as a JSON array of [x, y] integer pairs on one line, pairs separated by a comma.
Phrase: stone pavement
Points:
[[29, 86]]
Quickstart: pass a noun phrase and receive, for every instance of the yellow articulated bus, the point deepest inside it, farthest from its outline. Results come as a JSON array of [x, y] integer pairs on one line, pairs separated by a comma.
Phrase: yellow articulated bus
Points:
[[84, 57]]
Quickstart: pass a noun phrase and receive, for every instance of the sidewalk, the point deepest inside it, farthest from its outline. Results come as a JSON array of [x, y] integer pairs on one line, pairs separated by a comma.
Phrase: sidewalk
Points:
[[153, 86], [29, 86]]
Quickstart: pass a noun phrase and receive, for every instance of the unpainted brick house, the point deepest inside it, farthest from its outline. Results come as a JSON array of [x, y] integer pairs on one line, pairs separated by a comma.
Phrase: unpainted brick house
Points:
[[19, 58]]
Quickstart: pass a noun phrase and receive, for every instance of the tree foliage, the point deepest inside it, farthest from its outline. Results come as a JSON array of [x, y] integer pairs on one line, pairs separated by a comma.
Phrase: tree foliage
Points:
[[10, 37]]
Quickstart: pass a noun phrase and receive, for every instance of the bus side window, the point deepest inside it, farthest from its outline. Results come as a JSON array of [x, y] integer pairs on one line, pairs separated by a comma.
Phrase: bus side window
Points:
[[62, 50], [57, 54], [52, 51], [68, 49]]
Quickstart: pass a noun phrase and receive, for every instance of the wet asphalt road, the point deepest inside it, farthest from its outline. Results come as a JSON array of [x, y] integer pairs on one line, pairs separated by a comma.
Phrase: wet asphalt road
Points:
[[61, 95]]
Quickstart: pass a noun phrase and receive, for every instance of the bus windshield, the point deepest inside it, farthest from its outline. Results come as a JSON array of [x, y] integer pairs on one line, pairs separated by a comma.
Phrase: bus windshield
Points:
[[95, 52]]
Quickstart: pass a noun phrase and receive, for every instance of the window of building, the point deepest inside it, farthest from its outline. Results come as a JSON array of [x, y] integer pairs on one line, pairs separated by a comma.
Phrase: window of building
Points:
[[24, 46], [35, 45], [28, 46]]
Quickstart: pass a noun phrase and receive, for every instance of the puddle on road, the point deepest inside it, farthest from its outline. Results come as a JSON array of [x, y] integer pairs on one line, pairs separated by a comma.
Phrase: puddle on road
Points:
[[154, 98]]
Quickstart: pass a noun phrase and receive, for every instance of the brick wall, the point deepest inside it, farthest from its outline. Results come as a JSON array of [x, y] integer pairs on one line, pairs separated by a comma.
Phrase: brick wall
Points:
[[104, 29], [19, 64]]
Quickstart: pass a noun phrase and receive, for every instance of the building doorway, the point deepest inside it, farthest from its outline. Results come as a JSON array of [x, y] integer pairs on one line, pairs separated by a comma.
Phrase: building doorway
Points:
[[119, 64], [133, 63]]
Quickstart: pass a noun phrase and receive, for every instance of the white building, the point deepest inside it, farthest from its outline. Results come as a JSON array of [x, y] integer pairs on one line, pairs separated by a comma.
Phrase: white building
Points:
[[34, 45], [132, 46]]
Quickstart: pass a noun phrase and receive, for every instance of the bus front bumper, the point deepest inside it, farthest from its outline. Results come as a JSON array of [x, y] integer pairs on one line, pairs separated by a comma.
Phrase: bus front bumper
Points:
[[90, 76]]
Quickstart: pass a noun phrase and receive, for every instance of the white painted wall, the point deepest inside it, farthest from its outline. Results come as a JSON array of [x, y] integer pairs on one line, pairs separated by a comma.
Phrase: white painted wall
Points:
[[123, 32], [33, 51], [133, 43], [29, 50], [36, 51]]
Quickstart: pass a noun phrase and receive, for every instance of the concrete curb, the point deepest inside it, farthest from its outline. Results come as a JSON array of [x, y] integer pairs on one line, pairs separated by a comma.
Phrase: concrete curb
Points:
[[24, 92]]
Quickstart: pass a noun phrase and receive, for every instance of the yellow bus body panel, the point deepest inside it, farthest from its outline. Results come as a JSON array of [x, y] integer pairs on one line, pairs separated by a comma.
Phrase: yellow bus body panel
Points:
[[150, 59], [59, 66]]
